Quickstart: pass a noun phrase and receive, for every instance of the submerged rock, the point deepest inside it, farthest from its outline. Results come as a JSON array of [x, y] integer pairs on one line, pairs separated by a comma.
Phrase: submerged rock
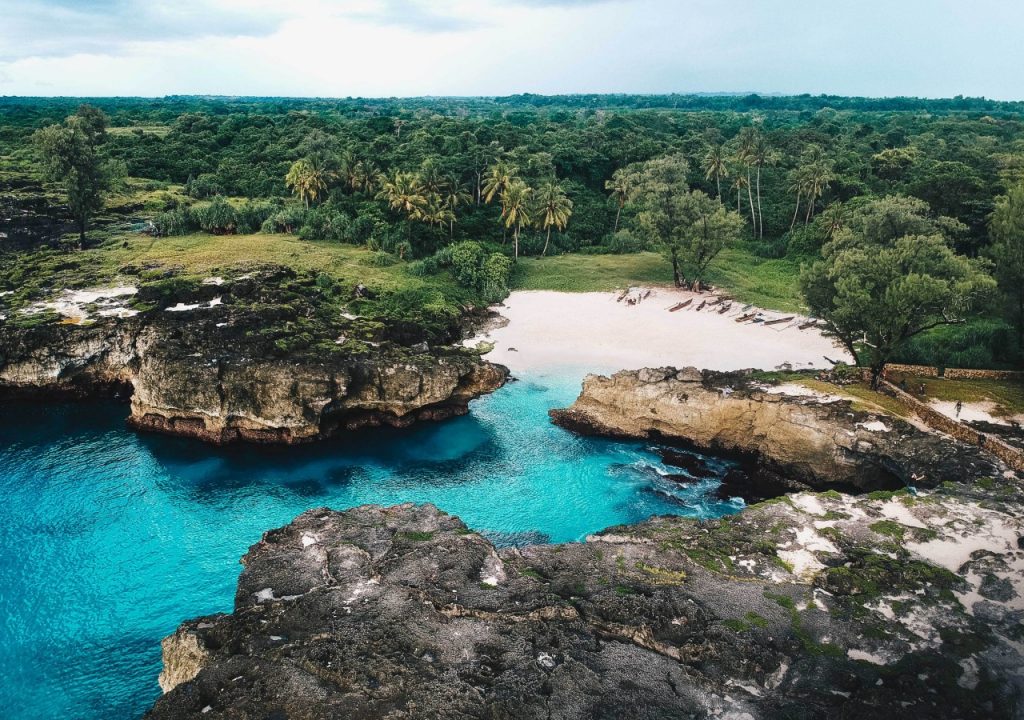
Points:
[[790, 442], [818, 606]]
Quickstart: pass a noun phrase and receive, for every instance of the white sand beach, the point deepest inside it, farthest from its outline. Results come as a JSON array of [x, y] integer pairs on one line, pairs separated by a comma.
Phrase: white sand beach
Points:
[[595, 332]]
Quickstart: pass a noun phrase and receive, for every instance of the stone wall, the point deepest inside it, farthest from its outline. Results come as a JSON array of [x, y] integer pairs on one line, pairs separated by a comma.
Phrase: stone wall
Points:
[[943, 423], [953, 373]]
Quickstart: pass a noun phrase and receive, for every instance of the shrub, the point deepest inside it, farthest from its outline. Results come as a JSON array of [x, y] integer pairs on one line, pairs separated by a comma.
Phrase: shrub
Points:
[[326, 223], [250, 217], [286, 220], [218, 217], [203, 186], [180, 221]]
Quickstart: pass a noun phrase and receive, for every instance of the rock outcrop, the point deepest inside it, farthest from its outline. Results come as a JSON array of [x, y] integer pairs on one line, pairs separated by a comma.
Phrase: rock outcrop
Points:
[[209, 373], [816, 606], [790, 441]]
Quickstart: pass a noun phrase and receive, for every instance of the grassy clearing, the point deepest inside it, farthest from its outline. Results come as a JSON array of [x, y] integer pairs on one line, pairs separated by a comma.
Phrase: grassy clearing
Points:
[[863, 397], [771, 284], [1008, 395], [591, 273], [158, 130], [204, 255]]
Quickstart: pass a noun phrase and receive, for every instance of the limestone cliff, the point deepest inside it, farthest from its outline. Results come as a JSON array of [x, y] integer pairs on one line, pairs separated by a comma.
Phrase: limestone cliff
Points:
[[819, 606], [210, 374], [791, 441]]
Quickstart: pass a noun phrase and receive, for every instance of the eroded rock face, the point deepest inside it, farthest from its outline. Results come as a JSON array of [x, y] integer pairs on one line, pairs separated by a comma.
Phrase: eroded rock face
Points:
[[792, 442], [200, 375], [819, 606]]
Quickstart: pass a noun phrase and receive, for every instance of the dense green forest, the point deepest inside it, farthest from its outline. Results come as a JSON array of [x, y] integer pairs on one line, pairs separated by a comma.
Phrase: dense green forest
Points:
[[474, 183]]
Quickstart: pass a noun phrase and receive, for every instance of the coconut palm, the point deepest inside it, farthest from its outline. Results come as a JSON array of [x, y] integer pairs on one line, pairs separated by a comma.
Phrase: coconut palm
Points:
[[620, 186], [455, 195], [306, 180], [499, 177], [760, 155], [367, 177], [819, 176], [553, 209], [403, 192], [715, 166], [515, 204], [797, 184]]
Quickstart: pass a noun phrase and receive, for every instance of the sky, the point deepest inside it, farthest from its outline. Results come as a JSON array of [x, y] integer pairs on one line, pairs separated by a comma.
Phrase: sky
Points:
[[384, 48]]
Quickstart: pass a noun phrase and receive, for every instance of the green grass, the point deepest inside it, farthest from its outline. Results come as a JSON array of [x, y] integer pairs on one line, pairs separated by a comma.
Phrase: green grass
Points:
[[203, 255], [768, 284], [1008, 395], [591, 273], [771, 284]]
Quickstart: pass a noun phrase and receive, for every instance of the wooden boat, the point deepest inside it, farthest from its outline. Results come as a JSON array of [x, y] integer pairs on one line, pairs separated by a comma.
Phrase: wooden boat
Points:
[[622, 295], [680, 306], [724, 309], [747, 307], [715, 301], [809, 324], [701, 306], [748, 316], [779, 321]]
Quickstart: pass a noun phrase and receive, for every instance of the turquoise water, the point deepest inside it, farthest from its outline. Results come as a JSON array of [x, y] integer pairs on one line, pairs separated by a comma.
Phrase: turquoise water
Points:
[[109, 539]]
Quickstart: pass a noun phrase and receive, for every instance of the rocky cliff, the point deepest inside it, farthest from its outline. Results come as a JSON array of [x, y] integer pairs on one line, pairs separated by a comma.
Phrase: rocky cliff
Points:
[[209, 371], [817, 606], [791, 439]]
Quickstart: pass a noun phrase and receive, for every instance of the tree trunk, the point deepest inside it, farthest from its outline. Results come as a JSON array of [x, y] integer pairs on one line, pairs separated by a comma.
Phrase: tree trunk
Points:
[[617, 214], [810, 207], [81, 233], [876, 374], [546, 241], [760, 219], [1020, 318], [796, 211], [718, 184], [750, 199], [517, 243], [675, 271], [737, 200]]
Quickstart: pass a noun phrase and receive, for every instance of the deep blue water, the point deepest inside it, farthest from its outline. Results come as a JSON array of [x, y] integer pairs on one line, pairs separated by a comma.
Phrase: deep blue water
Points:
[[109, 539]]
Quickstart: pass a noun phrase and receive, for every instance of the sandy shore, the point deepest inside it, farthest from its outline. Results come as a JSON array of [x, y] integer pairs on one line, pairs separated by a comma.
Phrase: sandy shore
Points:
[[594, 332]]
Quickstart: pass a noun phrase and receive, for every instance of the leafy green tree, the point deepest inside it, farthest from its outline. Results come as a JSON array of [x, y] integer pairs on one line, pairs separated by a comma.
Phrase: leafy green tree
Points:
[[71, 155], [554, 208], [1007, 230], [877, 290], [689, 227]]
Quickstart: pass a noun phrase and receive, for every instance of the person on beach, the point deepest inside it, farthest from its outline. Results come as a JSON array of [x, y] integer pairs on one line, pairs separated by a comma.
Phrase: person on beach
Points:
[[959, 407]]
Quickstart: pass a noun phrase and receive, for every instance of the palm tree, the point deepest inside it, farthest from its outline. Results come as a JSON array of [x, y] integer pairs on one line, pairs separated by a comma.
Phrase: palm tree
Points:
[[797, 183], [554, 208], [738, 184], [833, 219], [515, 204], [745, 154], [499, 177], [456, 194], [431, 177], [761, 154], [819, 176], [620, 186], [403, 192], [306, 180], [715, 167], [367, 177]]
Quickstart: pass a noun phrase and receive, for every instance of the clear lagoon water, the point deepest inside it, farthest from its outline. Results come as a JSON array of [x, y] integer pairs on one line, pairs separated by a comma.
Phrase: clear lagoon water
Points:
[[109, 538]]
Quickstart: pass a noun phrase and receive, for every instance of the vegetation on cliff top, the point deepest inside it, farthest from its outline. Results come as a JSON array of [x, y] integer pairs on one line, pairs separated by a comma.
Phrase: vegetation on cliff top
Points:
[[565, 175]]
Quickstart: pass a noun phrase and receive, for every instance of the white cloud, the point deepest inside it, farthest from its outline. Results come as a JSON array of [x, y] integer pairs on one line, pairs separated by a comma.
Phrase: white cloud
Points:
[[493, 47]]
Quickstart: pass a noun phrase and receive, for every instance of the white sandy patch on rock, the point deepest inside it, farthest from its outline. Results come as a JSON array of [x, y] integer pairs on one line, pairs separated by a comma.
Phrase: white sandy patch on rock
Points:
[[596, 333], [898, 512], [809, 503], [182, 307], [73, 304], [981, 411]]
